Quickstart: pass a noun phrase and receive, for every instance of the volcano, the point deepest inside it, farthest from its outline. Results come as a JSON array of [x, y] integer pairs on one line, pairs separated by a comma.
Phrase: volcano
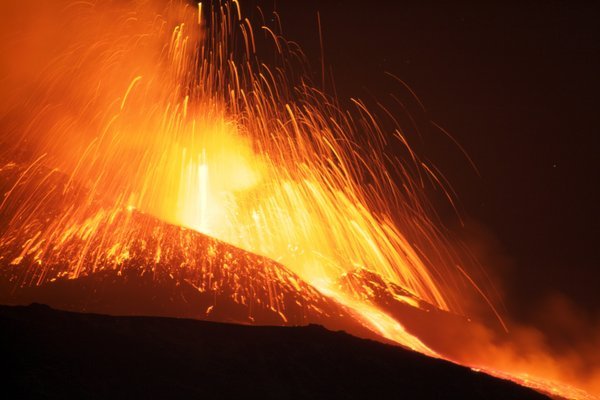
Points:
[[120, 261], [163, 160], [134, 264]]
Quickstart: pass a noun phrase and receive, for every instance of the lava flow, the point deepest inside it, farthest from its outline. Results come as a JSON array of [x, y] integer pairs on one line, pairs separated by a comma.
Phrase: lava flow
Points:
[[151, 144]]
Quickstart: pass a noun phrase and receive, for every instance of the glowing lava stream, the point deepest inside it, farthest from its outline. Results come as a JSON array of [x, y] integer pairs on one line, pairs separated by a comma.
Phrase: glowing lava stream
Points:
[[378, 321], [149, 112]]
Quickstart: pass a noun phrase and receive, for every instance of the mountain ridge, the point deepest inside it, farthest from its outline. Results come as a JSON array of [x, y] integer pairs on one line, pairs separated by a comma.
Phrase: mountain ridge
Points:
[[63, 354]]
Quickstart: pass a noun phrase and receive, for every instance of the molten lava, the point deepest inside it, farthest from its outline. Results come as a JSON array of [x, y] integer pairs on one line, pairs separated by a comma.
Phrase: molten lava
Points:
[[142, 140]]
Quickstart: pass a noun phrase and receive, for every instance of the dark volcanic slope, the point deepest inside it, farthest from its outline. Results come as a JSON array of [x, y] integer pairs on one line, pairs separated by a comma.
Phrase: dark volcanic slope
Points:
[[57, 354]]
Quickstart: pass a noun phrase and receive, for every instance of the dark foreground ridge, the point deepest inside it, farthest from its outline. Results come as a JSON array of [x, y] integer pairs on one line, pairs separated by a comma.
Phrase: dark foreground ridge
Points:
[[58, 354]]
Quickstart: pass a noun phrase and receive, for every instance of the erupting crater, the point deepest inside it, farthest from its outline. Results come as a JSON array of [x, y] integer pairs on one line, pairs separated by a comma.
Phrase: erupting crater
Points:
[[156, 165]]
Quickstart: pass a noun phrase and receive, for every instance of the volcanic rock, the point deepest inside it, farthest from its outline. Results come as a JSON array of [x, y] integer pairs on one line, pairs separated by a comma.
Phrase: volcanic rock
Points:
[[55, 354]]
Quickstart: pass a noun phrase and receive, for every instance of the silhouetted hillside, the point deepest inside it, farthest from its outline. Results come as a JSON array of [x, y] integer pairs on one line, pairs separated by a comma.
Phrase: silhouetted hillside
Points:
[[57, 354]]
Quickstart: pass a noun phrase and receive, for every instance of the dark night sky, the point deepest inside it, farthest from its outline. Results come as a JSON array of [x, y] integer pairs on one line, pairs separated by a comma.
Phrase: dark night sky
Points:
[[517, 85]]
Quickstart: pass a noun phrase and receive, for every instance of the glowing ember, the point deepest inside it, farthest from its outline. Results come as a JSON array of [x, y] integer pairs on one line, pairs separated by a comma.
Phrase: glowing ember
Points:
[[169, 113]]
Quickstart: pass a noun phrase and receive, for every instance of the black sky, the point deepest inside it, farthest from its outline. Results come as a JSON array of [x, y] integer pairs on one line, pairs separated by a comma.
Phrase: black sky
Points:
[[517, 85]]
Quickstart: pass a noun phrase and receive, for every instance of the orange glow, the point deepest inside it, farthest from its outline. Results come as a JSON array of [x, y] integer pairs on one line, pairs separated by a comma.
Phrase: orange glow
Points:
[[168, 112]]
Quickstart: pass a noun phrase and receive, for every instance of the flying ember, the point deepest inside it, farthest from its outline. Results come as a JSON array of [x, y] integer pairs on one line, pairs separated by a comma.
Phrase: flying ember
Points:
[[184, 143]]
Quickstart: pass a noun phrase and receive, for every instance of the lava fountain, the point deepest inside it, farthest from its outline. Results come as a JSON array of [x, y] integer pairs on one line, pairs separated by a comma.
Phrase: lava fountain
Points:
[[167, 111]]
